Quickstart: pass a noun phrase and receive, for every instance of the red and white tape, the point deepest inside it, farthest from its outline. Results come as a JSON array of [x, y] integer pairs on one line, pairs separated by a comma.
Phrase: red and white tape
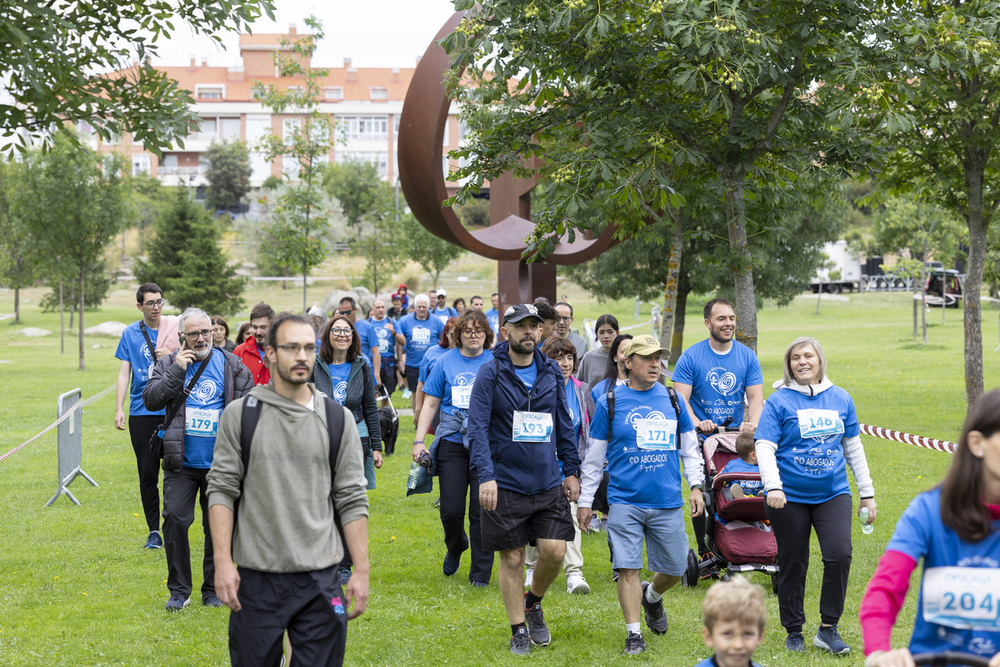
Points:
[[909, 438], [66, 415]]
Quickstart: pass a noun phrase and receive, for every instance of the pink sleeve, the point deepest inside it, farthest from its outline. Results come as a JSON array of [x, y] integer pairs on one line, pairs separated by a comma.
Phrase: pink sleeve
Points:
[[884, 598]]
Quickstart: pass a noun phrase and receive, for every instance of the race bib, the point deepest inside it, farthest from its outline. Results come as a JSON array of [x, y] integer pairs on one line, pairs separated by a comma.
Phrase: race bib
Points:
[[201, 423], [421, 335], [962, 597], [531, 427], [815, 423], [655, 433], [383, 346], [460, 396]]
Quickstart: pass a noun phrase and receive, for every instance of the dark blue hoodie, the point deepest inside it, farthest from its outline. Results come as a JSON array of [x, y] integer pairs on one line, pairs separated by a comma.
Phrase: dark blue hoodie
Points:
[[524, 467]]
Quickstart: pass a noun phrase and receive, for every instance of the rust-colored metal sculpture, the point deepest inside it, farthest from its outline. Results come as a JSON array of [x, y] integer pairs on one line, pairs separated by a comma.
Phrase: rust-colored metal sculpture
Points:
[[420, 155]]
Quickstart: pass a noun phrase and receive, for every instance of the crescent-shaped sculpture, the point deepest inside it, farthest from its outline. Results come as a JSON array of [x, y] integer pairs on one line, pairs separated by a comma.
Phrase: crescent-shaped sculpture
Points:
[[420, 155]]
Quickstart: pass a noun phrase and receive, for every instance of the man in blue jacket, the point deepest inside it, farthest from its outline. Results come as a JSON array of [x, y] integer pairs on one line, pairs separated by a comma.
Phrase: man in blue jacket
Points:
[[522, 445]]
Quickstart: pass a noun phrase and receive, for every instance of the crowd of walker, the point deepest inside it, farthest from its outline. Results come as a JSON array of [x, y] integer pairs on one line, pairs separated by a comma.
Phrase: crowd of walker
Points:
[[277, 436]]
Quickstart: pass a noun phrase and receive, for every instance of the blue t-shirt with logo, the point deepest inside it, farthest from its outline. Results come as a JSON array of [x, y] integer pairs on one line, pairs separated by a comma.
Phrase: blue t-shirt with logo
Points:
[[133, 348], [957, 606], [493, 317], [601, 389], [429, 362], [642, 454], [750, 486], [452, 377], [527, 375], [718, 381], [339, 375], [386, 339], [444, 314], [421, 335], [366, 334], [808, 431], [202, 411]]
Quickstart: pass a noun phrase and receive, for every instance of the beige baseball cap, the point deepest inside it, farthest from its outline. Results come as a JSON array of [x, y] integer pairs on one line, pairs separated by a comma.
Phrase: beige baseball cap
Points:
[[644, 345]]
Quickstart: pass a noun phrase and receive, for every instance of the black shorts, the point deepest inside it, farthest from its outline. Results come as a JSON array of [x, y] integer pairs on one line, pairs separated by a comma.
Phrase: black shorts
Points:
[[388, 376], [412, 377], [519, 519]]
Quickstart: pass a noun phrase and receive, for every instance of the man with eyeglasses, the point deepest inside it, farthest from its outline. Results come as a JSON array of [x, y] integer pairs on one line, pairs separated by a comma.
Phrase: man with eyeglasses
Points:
[[142, 343], [285, 536], [251, 351], [193, 385], [564, 322], [418, 332]]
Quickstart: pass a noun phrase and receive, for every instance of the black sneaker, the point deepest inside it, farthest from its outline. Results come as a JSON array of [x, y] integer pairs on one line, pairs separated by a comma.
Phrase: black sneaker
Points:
[[451, 564], [154, 541], [537, 630], [211, 601], [634, 644], [795, 643], [656, 617], [177, 602], [829, 639], [520, 643]]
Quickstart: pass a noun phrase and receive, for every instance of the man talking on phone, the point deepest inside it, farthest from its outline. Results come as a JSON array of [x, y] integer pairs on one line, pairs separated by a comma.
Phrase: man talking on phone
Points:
[[194, 384]]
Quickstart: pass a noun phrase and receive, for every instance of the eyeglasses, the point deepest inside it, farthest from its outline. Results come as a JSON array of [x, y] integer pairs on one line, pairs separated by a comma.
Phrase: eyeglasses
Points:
[[294, 349], [194, 335], [154, 304], [340, 333], [474, 333]]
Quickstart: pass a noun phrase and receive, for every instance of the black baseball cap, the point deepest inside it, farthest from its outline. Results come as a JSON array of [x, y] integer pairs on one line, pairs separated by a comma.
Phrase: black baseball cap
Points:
[[520, 312]]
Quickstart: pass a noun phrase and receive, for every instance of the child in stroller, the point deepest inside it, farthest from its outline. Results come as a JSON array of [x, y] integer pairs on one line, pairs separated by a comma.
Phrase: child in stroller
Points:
[[735, 525]]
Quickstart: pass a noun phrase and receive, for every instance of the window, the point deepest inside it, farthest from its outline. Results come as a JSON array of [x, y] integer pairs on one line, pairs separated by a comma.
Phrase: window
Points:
[[364, 128], [290, 127], [379, 93], [140, 164], [208, 128], [378, 158], [334, 93], [85, 129], [445, 140], [209, 92], [230, 128], [395, 125]]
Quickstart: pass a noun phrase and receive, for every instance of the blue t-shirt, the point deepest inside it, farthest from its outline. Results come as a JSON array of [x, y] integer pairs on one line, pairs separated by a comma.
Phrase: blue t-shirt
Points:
[[527, 375], [808, 431], [339, 375], [420, 335], [957, 609], [202, 411], [718, 381], [573, 403], [493, 317], [386, 340], [452, 377], [429, 361], [710, 662], [643, 475], [366, 334], [133, 348], [444, 314], [601, 389], [751, 486]]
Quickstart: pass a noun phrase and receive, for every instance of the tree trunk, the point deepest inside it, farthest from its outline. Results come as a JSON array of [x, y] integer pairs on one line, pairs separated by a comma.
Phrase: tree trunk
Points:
[[62, 319], [746, 307], [83, 277], [670, 297], [973, 284], [17, 305], [677, 342]]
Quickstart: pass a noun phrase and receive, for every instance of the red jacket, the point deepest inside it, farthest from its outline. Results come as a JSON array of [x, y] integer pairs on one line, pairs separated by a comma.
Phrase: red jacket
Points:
[[249, 354]]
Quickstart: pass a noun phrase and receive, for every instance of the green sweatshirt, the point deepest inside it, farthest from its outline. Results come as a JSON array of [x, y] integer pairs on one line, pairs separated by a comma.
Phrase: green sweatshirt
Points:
[[285, 521]]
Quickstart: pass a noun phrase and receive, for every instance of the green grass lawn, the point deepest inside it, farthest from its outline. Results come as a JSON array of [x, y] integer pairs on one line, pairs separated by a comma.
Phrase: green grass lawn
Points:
[[77, 588]]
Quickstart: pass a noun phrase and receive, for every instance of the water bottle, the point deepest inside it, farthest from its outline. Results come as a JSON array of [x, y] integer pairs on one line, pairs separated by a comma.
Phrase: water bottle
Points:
[[411, 481], [866, 527]]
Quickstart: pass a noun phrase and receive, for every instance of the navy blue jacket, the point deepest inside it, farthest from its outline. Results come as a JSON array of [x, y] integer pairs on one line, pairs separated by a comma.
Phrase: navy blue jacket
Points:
[[524, 467]]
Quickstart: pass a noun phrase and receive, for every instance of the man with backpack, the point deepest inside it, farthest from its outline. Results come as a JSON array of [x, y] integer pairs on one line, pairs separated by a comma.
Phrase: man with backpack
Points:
[[644, 432], [286, 491]]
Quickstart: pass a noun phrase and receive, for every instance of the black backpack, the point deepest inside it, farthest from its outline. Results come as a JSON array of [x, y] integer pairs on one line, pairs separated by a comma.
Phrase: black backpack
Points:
[[335, 429], [673, 401]]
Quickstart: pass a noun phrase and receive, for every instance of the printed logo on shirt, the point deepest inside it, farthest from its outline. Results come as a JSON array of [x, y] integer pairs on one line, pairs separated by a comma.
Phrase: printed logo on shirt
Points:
[[340, 392], [205, 391], [722, 381]]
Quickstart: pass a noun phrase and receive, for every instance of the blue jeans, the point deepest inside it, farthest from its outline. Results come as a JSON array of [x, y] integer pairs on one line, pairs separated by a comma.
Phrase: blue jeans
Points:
[[663, 531]]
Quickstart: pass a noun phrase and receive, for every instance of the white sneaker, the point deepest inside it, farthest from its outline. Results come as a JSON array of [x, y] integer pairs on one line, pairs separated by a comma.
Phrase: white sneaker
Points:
[[575, 583], [527, 576]]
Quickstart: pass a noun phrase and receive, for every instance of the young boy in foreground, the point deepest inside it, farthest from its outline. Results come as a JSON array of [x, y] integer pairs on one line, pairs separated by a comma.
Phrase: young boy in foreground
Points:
[[734, 615]]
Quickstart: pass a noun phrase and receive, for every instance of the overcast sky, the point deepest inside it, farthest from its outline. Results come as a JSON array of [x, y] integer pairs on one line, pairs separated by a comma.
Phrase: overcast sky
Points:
[[372, 33]]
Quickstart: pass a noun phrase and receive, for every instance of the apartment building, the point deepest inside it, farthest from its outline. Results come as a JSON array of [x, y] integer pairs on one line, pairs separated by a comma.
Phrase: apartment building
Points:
[[363, 103]]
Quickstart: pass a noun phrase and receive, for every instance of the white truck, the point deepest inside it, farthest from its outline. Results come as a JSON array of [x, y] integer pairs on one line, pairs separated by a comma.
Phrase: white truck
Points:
[[841, 270]]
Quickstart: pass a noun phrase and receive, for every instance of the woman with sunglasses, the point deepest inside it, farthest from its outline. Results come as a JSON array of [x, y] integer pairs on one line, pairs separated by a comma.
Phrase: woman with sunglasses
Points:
[[449, 388]]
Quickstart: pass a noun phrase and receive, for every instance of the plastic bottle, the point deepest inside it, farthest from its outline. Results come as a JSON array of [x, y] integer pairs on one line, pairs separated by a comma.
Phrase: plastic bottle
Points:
[[866, 527], [411, 481]]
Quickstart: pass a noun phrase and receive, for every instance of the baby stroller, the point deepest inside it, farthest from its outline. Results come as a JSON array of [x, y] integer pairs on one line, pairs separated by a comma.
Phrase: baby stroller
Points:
[[735, 528], [388, 420]]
